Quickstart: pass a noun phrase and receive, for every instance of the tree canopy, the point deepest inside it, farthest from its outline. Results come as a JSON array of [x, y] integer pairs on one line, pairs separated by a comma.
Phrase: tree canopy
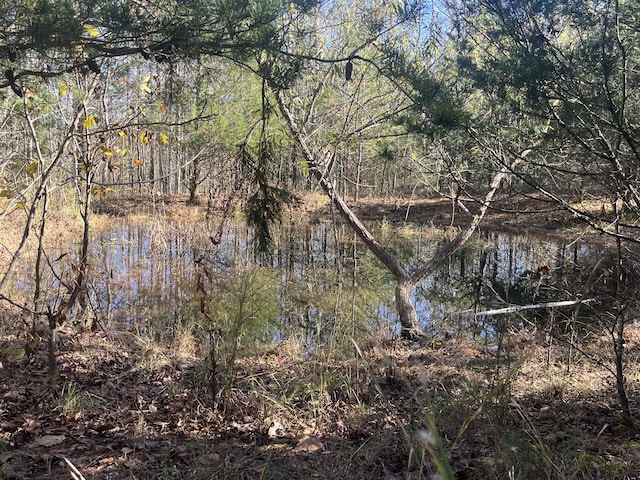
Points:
[[50, 37], [570, 71]]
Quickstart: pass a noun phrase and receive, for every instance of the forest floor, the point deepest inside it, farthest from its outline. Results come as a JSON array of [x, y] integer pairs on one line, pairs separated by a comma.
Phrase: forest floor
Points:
[[123, 405]]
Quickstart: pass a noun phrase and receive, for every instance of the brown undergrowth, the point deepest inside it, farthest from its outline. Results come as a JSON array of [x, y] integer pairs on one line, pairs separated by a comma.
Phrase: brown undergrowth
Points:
[[127, 407], [520, 213]]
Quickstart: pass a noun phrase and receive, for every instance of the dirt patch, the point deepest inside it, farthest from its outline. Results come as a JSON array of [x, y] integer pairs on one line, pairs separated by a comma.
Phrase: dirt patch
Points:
[[519, 214]]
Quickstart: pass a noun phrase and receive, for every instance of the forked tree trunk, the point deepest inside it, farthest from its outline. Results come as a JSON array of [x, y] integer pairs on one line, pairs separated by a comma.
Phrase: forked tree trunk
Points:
[[407, 315]]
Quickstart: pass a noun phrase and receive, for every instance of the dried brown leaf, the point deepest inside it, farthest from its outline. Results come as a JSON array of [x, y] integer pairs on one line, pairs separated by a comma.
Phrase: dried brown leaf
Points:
[[102, 427]]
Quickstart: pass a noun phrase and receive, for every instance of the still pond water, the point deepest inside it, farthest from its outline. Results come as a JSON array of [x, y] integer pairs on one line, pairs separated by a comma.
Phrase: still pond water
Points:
[[320, 279]]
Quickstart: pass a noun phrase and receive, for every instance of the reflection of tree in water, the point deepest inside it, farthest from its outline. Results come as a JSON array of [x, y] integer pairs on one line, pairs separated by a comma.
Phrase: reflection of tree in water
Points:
[[498, 270], [332, 284]]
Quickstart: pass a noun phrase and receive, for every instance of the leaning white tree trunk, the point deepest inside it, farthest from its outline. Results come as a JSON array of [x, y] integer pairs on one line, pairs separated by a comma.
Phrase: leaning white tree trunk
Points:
[[407, 315]]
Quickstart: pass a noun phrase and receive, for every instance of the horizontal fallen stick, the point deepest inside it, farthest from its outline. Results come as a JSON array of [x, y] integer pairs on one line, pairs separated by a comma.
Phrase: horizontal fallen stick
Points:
[[518, 308]]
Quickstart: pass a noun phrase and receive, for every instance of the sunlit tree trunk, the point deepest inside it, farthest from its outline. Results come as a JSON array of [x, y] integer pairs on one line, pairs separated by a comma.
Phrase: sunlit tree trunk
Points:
[[407, 315]]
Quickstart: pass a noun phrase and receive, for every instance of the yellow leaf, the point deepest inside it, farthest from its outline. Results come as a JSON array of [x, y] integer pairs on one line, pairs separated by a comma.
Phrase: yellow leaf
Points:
[[62, 90], [164, 138], [122, 151], [89, 122], [122, 134], [99, 191], [106, 151], [93, 31], [14, 354], [138, 162], [144, 86], [144, 138], [304, 166]]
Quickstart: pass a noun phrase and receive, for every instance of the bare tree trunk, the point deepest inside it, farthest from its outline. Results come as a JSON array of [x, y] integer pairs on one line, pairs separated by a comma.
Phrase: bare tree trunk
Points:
[[618, 336], [194, 176], [406, 312], [407, 315], [618, 346], [37, 290]]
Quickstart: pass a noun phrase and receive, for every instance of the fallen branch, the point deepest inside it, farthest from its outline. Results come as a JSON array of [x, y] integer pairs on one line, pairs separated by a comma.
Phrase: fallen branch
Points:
[[75, 473], [518, 308]]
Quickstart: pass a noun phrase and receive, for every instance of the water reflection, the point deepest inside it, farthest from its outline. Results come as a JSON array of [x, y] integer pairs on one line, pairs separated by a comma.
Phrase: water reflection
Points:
[[148, 274], [499, 270], [142, 270]]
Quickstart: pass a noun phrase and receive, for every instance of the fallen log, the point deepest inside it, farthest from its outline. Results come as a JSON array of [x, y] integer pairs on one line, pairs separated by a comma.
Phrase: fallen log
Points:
[[518, 308]]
